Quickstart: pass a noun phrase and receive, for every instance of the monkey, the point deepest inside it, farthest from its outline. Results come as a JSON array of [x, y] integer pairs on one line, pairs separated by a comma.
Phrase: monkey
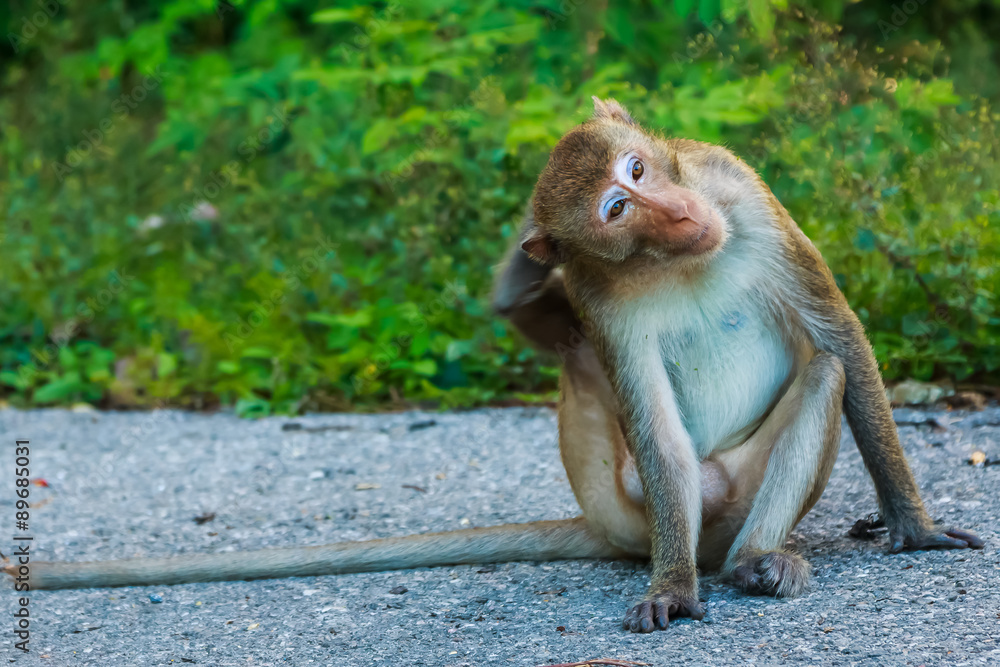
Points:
[[713, 358], [707, 356]]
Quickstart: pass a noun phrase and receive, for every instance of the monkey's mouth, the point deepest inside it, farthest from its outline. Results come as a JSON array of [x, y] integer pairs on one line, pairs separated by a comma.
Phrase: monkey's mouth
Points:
[[698, 243]]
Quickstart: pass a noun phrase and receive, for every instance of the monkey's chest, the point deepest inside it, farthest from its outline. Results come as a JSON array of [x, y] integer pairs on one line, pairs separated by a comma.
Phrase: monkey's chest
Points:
[[727, 370]]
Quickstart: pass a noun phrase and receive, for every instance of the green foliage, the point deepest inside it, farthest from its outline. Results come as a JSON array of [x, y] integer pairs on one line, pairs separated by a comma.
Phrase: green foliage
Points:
[[284, 206]]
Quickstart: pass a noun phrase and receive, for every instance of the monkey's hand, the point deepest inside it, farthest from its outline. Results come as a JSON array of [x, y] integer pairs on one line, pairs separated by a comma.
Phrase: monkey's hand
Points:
[[935, 538], [657, 609]]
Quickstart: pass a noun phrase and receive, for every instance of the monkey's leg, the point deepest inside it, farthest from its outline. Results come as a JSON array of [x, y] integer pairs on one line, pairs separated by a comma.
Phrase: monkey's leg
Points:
[[834, 327], [804, 428], [541, 540], [598, 465], [601, 470], [670, 474]]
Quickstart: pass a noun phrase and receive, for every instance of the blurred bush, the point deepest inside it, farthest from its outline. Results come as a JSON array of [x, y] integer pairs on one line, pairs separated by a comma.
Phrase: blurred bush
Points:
[[286, 206]]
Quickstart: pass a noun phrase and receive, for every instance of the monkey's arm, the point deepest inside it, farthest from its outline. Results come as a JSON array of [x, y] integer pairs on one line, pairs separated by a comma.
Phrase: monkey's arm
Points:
[[835, 328], [533, 297], [670, 475]]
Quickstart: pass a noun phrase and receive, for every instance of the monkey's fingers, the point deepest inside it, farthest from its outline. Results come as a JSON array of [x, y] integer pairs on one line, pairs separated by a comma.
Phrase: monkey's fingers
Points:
[[950, 538], [640, 618], [662, 614], [973, 540], [694, 610], [655, 614]]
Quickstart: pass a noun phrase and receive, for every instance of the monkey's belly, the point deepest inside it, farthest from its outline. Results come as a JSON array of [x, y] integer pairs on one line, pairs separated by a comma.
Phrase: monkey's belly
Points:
[[727, 377]]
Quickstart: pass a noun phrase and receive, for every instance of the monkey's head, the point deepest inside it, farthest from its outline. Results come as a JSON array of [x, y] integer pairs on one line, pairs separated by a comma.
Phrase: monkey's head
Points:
[[612, 191]]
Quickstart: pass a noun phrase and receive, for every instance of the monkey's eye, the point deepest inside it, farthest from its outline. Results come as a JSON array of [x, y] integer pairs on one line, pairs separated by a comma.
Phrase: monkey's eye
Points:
[[616, 208], [637, 170]]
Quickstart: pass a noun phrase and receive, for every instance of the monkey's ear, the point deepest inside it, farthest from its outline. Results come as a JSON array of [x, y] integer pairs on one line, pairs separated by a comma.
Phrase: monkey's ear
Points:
[[541, 247], [609, 109]]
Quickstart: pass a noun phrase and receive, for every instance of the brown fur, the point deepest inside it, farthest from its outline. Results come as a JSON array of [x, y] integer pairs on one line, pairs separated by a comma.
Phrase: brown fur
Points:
[[610, 263], [865, 404]]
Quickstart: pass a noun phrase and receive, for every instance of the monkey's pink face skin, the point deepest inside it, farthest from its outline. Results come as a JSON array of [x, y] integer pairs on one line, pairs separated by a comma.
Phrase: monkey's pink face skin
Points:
[[642, 202]]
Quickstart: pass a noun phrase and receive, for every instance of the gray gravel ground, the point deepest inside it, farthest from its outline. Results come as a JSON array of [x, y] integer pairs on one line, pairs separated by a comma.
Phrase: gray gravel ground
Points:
[[130, 484]]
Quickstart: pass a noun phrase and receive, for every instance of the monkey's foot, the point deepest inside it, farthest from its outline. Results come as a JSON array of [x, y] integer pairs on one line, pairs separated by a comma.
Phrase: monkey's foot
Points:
[[936, 538], [778, 573], [865, 529], [656, 611]]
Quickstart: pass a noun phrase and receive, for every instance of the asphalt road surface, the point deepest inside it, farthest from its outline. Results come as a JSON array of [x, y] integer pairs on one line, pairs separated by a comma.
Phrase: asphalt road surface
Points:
[[132, 484]]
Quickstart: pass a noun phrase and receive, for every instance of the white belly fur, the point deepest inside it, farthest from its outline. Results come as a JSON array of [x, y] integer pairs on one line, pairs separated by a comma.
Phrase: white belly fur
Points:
[[727, 368], [727, 360]]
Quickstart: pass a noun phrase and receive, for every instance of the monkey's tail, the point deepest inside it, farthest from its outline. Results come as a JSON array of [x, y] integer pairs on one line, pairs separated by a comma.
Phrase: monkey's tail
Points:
[[541, 540]]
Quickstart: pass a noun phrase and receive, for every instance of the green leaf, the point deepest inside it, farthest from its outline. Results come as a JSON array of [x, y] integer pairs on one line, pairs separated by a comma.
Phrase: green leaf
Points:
[[865, 240], [166, 364], [353, 14], [762, 18], [228, 367], [361, 318], [253, 407], [12, 379], [458, 349], [58, 390], [425, 367], [378, 135], [257, 353], [708, 10], [685, 7]]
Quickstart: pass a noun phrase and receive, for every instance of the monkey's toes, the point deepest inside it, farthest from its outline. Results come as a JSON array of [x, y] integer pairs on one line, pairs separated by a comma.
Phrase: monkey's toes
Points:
[[865, 529], [949, 538], [778, 573], [655, 612]]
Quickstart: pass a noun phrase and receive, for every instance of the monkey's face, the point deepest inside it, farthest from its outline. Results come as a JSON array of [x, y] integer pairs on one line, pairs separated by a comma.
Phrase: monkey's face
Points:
[[642, 207], [611, 192]]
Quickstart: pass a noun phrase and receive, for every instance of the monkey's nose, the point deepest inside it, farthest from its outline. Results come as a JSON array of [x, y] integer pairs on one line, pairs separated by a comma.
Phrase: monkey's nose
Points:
[[674, 212]]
